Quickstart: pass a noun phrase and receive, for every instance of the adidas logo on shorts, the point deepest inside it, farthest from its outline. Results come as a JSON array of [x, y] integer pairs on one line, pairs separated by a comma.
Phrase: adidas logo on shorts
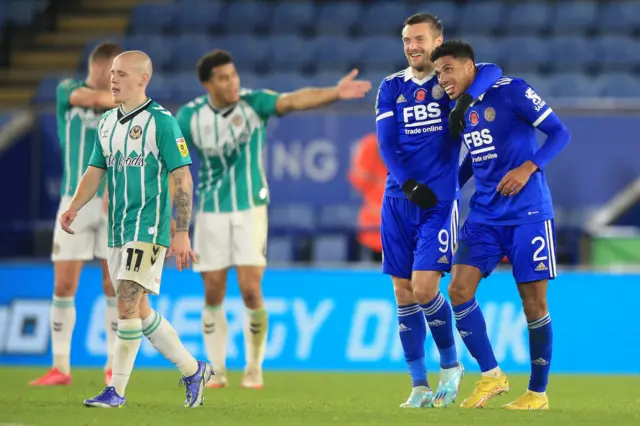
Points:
[[541, 267], [443, 259]]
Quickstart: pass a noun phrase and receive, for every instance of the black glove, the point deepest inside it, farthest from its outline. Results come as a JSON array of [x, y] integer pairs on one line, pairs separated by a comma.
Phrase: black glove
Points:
[[456, 116], [419, 194]]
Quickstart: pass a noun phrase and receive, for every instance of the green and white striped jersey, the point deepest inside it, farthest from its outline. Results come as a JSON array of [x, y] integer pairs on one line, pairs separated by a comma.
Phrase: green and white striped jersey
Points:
[[139, 150], [229, 143], [77, 128]]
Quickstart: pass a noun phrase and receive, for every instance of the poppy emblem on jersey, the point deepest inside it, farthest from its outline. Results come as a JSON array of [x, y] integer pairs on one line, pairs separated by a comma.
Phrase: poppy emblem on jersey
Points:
[[474, 118], [420, 95], [490, 114], [437, 92], [135, 132], [237, 120], [182, 146]]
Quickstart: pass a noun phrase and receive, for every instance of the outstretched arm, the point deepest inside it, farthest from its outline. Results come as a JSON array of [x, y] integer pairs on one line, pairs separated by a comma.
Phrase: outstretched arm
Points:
[[310, 98], [87, 97]]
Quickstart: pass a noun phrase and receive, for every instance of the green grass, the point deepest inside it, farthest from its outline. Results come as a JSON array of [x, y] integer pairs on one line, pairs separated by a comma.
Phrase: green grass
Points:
[[305, 399]]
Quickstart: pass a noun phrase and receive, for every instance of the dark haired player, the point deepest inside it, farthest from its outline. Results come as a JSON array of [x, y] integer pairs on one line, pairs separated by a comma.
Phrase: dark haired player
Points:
[[511, 214]]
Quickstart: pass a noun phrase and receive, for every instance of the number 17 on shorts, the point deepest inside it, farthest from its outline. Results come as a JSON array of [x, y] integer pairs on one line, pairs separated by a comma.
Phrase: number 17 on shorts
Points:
[[139, 262]]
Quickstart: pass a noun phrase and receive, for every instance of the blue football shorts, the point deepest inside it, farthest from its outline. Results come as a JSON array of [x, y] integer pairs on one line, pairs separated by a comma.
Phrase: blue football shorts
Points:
[[414, 239], [530, 248]]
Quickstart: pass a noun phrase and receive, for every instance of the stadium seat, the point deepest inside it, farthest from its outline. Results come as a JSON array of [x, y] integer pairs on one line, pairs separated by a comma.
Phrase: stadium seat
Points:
[[247, 16], [528, 17], [339, 217], [571, 85], [291, 218], [193, 16], [159, 89], [481, 17], [334, 53], [188, 49], [338, 18], [539, 83], [330, 248], [184, 86], [151, 18], [618, 53], [383, 19], [24, 11], [290, 53], [620, 17], [154, 45], [46, 92], [249, 53], [293, 17], [486, 49], [382, 51], [91, 44], [526, 53], [574, 17], [572, 53], [280, 249], [447, 11], [618, 85], [328, 78], [285, 81]]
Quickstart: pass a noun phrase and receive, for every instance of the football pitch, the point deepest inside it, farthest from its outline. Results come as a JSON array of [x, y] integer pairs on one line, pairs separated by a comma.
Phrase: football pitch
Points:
[[291, 398]]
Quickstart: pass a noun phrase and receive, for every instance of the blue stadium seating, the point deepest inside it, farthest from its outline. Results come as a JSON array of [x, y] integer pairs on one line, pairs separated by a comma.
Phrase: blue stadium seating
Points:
[[330, 248], [620, 17], [280, 249], [481, 17], [340, 217], [284, 44], [618, 85], [575, 16], [296, 218], [338, 18], [528, 17]]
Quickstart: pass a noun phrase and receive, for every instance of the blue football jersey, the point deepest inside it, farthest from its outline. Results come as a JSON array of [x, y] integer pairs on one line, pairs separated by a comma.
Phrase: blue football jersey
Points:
[[500, 135], [429, 153]]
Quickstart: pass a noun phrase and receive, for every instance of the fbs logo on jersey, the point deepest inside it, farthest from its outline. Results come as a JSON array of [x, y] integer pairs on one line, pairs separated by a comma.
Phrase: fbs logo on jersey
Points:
[[182, 146]]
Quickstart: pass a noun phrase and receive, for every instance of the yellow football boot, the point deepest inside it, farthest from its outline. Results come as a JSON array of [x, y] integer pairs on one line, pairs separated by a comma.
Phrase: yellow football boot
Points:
[[485, 389], [529, 401]]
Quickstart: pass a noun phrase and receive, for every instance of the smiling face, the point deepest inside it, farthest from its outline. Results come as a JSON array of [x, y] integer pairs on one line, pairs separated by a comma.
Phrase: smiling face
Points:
[[454, 75], [224, 84], [419, 41]]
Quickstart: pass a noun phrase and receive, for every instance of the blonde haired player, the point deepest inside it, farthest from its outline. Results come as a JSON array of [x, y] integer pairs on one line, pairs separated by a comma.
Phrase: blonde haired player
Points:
[[227, 128], [138, 146], [79, 107]]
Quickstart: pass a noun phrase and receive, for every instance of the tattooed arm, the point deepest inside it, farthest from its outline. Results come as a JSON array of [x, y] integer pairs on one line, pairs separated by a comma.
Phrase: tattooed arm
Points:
[[183, 197]]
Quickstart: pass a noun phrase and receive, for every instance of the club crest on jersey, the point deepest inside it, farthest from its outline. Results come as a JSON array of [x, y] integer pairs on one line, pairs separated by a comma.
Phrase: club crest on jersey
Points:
[[474, 118], [420, 95], [237, 120], [490, 114], [135, 132], [182, 146], [437, 92]]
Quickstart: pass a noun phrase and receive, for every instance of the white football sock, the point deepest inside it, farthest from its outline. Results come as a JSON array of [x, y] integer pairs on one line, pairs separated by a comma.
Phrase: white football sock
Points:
[[255, 337], [215, 330], [494, 372], [62, 321], [110, 328], [164, 338], [125, 350]]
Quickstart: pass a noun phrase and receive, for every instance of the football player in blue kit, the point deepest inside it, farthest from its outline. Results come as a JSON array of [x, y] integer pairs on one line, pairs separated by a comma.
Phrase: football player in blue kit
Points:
[[420, 211], [511, 214]]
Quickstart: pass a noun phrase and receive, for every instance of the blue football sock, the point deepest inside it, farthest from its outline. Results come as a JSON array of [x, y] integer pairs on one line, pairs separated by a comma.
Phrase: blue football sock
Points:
[[413, 332], [473, 330], [438, 315], [540, 347]]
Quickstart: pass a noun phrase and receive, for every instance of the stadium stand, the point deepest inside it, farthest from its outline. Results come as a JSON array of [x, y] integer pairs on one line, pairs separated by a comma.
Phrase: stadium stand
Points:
[[565, 49], [284, 44]]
